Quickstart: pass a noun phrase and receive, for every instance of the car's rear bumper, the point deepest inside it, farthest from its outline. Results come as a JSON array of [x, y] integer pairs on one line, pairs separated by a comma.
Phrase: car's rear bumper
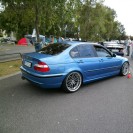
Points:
[[48, 81]]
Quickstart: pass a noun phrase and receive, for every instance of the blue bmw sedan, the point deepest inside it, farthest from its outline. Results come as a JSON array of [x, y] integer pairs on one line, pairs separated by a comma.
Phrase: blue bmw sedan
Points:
[[70, 64]]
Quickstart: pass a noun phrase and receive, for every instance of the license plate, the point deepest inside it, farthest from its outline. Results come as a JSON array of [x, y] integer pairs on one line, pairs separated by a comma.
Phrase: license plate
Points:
[[28, 64]]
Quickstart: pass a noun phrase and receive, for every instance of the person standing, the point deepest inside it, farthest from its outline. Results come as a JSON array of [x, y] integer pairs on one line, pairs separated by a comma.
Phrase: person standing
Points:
[[127, 43], [52, 40]]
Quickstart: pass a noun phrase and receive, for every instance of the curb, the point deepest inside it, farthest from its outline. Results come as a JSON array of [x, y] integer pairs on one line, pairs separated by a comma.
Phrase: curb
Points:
[[8, 60], [10, 57], [10, 75]]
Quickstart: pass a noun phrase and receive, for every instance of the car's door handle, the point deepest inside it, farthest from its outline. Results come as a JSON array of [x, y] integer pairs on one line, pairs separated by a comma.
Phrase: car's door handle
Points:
[[79, 61], [101, 60]]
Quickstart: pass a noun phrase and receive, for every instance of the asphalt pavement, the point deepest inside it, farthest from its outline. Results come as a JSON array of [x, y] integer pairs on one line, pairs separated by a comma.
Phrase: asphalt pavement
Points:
[[104, 106]]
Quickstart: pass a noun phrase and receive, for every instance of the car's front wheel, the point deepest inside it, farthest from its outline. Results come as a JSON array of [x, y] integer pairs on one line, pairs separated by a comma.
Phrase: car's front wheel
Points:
[[72, 82], [125, 69]]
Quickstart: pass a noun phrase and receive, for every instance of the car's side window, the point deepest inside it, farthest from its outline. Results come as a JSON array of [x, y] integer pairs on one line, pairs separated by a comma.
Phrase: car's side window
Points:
[[101, 52], [74, 53], [86, 51]]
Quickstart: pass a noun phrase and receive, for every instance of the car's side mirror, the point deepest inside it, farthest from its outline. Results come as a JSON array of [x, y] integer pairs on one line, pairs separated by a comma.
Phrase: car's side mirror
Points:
[[114, 55]]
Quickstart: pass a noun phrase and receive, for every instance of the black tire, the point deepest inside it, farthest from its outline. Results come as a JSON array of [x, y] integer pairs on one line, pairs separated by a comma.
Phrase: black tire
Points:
[[124, 69], [72, 82]]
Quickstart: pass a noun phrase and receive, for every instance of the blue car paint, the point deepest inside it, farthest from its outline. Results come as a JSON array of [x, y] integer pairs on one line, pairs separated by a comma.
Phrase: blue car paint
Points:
[[61, 65]]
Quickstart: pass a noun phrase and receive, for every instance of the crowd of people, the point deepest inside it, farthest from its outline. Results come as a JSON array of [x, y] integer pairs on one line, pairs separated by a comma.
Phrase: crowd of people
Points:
[[44, 39], [47, 40]]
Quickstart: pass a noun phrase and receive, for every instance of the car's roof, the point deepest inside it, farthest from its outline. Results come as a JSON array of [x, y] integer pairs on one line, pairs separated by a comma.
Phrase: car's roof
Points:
[[78, 42]]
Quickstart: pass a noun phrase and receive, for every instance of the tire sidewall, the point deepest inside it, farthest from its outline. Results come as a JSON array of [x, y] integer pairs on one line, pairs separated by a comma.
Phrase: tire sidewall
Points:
[[123, 74], [64, 86]]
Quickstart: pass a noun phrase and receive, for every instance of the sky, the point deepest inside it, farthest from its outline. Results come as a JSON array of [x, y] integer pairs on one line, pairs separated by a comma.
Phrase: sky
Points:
[[124, 11]]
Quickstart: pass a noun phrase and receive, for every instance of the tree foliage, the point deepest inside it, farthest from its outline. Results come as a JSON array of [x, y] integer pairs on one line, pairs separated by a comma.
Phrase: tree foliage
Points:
[[99, 23], [58, 17]]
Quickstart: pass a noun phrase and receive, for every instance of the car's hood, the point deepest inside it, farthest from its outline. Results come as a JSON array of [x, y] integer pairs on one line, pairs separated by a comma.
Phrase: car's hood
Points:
[[123, 58]]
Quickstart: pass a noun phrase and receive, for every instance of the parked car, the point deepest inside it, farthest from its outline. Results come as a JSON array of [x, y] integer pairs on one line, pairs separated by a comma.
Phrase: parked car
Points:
[[70, 64], [7, 40], [115, 47]]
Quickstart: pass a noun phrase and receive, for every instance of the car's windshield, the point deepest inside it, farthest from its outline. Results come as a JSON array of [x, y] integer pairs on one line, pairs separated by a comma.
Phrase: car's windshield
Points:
[[54, 49]]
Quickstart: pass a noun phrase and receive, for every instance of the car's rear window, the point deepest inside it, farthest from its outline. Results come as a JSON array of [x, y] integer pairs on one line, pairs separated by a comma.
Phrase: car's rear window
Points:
[[54, 49]]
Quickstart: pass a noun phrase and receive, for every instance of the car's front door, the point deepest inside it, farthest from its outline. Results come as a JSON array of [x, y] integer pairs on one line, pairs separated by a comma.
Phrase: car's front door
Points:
[[109, 65]]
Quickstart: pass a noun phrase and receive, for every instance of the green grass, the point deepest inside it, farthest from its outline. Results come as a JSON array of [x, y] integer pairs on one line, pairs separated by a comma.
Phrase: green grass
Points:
[[9, 67]]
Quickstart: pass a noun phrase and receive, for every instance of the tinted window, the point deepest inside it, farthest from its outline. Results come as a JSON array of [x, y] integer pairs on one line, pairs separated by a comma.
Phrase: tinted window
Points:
[[86, 51], [101, 52], [54, 49], [74, 53]]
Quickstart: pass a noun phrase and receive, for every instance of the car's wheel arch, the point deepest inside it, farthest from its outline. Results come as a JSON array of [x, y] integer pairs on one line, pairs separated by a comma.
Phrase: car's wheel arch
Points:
[[75, 71]]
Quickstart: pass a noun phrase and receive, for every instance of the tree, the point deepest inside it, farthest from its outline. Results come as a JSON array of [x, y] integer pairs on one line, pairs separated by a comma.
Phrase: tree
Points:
[[92, 22], [30, 13], [16, 18], [98, 24], [58, 17]]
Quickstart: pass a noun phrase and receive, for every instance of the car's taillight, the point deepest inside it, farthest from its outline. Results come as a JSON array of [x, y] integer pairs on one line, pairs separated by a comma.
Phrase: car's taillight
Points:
[[41, 67]]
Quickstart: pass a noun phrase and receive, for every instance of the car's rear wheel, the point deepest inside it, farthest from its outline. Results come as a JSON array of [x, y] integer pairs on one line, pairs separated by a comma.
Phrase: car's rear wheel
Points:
[[125, 69], [72, 82]]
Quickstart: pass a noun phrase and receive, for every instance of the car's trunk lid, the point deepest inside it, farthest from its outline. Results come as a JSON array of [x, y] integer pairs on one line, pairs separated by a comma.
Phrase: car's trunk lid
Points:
[[29, 60]]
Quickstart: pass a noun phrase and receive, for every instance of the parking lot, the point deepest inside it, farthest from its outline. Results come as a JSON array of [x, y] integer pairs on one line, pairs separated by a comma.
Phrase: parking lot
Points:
[[103, 106]]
